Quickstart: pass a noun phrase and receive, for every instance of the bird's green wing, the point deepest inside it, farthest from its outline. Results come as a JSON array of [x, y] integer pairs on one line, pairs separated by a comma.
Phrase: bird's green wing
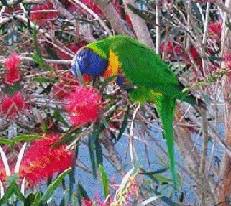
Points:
[[166, 108], [144, 68]]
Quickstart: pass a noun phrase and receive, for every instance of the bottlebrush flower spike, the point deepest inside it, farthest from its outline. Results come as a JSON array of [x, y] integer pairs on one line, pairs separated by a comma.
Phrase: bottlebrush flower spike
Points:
[[41, 160], [87, 202], [227, 59], [214, 29], [12, 106], [12, 74], [2, 171], [171, 49], [83, 105]]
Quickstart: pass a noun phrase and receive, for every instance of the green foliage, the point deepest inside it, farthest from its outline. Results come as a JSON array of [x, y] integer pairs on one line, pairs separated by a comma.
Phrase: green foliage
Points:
[[10, 90], [19, 138], [42, 79], [53, 186], [58, 116], [104, 180], [95, 148], [123, 125], [81, 193], [13, 189], [37, 56], [70, 136]]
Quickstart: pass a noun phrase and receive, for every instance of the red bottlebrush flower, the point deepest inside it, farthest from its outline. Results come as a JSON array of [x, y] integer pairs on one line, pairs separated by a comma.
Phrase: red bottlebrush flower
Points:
[[171, 49], [67, 84], [83, 105], [12, 106], [166, 47], [214, 29], [41, 160], [12, 74], [2, 171], [61, 90], [87, 202], [227, 59], [195, 56], [41, 13]]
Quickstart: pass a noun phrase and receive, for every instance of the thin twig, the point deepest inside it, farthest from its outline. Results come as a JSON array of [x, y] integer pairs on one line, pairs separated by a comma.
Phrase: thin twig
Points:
[[157, 27], [91, 12], [133, 154]]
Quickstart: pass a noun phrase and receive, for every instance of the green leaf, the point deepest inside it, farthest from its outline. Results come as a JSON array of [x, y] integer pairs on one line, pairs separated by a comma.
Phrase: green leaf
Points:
[[157, 177], [10, 90], [57, 115], [37, 56], [81, 193], [104, 180], [143, 171], [33, 199], [6, 141], [37, 199], [53, 186], [123, 126], [72, 172], [69, 137], [29, 199], [99, 152], [160, 179], [95, 148], [42, 79], [12, 189], [38, 59], [91, 147], [26, 138], [19, 138]]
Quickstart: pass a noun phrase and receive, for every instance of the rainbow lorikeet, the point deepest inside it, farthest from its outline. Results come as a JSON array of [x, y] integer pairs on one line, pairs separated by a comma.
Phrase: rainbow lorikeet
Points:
[[154, 81]]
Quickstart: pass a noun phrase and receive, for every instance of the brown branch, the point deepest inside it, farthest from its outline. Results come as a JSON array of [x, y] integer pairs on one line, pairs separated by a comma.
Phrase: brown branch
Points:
[[225, 185], [117, 23], [139, 25]]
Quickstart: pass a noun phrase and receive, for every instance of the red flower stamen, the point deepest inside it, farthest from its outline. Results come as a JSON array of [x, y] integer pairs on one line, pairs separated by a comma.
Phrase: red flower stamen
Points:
[[12, 74], [83, 105], [13, 106], [41, 160]]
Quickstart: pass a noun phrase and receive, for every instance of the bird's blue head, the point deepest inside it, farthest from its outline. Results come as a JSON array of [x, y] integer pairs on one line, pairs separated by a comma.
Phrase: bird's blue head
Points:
[[88, 62]]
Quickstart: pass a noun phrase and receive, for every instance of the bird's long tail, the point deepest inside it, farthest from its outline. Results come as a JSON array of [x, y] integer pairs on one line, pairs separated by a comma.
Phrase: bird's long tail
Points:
[[166, 108]]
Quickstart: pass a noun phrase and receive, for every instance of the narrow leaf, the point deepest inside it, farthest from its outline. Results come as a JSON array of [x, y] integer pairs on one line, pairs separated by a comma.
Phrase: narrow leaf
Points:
[[53, 186], [104, 180]]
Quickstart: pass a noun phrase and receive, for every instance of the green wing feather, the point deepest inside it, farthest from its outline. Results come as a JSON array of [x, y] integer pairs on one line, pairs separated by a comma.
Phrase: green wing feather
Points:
[[144, 68]]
